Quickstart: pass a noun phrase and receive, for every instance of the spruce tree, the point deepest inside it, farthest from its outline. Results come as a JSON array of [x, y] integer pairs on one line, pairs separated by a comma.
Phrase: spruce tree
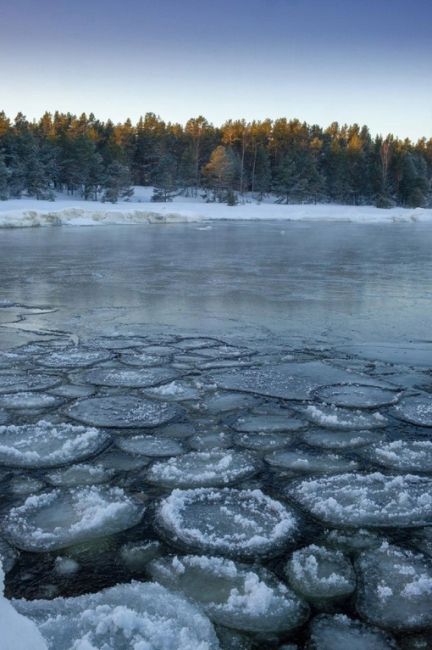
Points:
[[117, 183], [165, 179], [4, 176]]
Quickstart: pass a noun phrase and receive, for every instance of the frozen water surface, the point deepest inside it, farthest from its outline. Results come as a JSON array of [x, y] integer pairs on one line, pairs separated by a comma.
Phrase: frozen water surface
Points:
[[233, 594], [122, 411], [48, 445], [231, 522], [219, 338], [58, 519], [136, 616]]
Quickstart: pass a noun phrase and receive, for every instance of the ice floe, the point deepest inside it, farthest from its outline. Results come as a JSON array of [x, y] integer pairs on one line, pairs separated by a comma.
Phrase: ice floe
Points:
[[176, 391], [201, 469], [320, 574], [395, 588], [334, 417], [19, 381], [128, 377], [135, 616], [48, 445], [374, 500], [73, 358], [232, 594], [147, 445], [326, 439], [416, 410], [298, 460], [405, 455], [122, 411], [268, 424], [355, 396], [339, 632], [136, 555], [61, 518], [29, 400], [227, 521], [80, 474], [263, 441]]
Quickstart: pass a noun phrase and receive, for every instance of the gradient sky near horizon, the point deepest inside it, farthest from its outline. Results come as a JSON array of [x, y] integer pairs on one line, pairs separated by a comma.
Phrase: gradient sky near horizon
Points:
[[365, 61]]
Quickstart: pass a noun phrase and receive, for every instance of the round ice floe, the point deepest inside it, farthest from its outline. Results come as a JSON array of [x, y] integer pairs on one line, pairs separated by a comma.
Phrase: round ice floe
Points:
[[47, 445], [128, 377], [123, 412], [117, 342], [197, 343], [231, 522], [137, 555], [233, 594], [395, 588], [407, 455], [73, 358], [334, 417], [150, 445], [65, 517], [73, 391], [352, 541], [355, 396], [222, 402], [339, 632], [17, 382], [326, 439], [301, 461], [202, 469], [263, 441], [136, 616], [359, 500], [416, 410], [119, 461], [206, 441], [81, 474], [24, 485], [29, 400], [320, 574], [268, 424], [145, 360], [176, 391], [224, 352]]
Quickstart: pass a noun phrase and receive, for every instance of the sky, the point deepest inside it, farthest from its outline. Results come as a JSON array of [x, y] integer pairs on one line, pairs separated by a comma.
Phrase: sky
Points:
[[364, 61]]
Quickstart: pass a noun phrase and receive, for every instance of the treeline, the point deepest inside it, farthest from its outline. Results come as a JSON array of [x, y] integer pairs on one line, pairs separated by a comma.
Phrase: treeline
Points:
[[291, 159]]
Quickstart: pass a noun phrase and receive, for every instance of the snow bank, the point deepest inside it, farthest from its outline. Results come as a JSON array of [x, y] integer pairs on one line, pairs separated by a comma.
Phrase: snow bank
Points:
[[25, 213], [17, 631]]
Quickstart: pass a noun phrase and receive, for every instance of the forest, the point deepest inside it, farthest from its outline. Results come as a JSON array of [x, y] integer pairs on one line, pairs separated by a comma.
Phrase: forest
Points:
[[288, 159]]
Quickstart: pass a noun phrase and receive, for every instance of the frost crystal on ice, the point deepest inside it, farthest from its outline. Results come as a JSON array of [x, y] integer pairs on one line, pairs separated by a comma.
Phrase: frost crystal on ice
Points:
[[416, 410], [268, 424], [128, 377], [150, 445], [342, 633], [356, 396], [407, 455], [334, 417]]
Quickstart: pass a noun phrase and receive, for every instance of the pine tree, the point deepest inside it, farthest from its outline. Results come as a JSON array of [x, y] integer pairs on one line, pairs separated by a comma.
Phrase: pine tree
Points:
[[287, 179], [262, 172], [117, 183], [165, 179], [4, 176]]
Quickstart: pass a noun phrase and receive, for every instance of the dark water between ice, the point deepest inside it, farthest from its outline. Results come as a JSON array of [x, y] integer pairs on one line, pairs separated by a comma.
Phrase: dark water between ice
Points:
[[349, 298]]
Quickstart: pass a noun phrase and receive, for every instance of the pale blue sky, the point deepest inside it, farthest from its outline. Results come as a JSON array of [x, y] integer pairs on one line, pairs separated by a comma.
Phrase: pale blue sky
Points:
[[366, 61]]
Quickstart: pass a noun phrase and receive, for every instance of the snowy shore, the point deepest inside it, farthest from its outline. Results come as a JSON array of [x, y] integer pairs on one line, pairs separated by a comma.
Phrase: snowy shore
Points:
[[25, 213]]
